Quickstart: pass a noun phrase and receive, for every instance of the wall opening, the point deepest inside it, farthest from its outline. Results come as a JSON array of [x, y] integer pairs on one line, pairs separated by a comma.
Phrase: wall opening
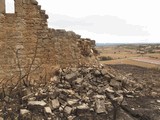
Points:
[[10, 6]]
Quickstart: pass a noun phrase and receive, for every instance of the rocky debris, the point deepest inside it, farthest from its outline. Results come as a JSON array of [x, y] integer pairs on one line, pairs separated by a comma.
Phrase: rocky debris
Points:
[[48, 110], [36, 103], [24, 111], [68, 110], [74, 93], [55, 104]]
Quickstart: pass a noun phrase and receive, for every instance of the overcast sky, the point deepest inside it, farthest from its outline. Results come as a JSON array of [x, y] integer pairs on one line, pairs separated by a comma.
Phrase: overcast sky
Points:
[[107, 20]]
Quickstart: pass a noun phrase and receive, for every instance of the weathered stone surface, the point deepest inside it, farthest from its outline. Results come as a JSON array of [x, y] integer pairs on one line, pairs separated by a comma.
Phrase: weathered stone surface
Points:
[[83, 107], [100, 106], [68, 110], [25, 114], [72, 101], [37, 103], [24, 111], [48, 110], [55, 104], [71, 76], [78, 80], [37, 46], [115, 83]]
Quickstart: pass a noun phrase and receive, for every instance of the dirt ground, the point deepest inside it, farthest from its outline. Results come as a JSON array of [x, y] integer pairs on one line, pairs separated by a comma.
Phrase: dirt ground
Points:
[[144, 105]]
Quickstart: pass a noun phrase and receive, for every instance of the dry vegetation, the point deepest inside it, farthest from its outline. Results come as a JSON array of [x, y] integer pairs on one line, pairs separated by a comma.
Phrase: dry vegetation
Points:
[[129, 54]]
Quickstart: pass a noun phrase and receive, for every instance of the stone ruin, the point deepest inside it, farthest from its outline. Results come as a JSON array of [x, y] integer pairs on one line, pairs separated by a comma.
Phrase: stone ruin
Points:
[[77, 88], [29, 48]]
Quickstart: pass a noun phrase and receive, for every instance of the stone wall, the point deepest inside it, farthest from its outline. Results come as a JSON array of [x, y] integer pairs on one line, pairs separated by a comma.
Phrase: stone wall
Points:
[[28, 48]]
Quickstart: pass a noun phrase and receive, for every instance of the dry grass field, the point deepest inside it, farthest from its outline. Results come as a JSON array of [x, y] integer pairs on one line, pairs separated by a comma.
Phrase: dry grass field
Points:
[[129, 54]]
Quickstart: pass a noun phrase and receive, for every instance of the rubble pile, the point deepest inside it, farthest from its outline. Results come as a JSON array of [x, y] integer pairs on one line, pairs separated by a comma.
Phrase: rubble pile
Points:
[[71, 94]]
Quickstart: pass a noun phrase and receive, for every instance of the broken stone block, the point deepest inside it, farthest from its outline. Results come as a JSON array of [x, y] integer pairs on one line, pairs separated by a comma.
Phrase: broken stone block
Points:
[[99, 96], [48, 110], [26, 91], [24, 111], [100, 106], [34, 2], [7, 99], [104, 71], [31, 95], [72, 101], [25, 114], [78, 80], [71, 117], [119, 99], [97, 73], [68, 110], [55, 104], [158, 101], [83, 107], [71, 76], [37, 103], [115, 83], [110, 90]]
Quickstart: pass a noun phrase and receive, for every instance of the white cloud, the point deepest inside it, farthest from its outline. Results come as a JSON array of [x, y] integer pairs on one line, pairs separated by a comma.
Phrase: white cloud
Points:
[[99, 24], [137, 18]]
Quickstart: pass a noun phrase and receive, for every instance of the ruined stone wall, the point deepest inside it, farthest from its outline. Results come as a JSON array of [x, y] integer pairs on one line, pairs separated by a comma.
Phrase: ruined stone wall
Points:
[[28, 48]]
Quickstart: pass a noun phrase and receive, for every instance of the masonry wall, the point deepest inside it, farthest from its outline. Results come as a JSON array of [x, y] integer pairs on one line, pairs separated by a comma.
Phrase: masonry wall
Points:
[[30, 50]]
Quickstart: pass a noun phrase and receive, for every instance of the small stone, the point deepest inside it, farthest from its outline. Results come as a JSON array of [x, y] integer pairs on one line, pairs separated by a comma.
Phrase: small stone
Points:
[[154, 94], [109, 90], [24, 111], [71, 76], [133, 108], [104, 71], [32, 99], [54, 79], [100, 106], [97, 73], [55, 104], [26, 92], [111, 75], [130, 96], [78, 80], [100, 96], [60, 108], [31, 95], [37, 103], [71, 117], [74, 69], [83, 107], [119, 99], [68, 110], [48, 110], [9, 109], [115, 83], [7, 99], [25, 114], [1, 118], [158, 101], [72, 101]]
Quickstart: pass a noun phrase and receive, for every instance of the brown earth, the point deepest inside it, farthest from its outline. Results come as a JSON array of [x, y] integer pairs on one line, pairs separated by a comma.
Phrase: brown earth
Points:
[[127, 54]]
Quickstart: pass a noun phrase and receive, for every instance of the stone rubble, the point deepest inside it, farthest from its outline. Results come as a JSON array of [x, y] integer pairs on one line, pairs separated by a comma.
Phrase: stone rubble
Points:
[[69, 95]]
